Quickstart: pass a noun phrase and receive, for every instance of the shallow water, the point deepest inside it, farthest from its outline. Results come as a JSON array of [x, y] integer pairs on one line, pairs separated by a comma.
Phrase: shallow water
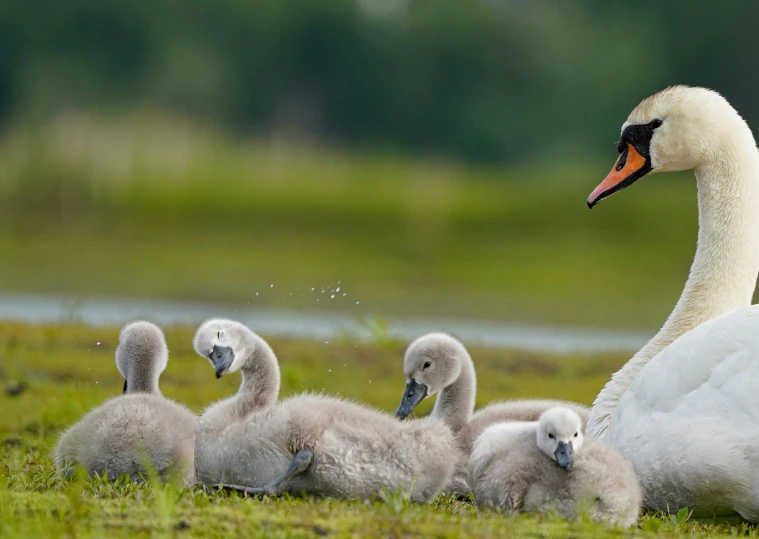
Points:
[[312, 325]]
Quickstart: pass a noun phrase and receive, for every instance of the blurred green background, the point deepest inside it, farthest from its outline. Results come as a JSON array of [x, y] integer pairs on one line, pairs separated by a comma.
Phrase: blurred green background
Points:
[[433, 158]]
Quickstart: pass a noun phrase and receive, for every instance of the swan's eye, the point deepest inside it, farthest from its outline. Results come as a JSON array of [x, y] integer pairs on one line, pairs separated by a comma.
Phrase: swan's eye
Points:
[[219, 334], [575, 435], [427, 365], [655, 123], [621, 146], [550, 436]]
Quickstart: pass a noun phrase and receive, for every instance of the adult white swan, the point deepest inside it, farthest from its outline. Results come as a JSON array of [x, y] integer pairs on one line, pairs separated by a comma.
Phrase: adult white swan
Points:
[[685, 409]]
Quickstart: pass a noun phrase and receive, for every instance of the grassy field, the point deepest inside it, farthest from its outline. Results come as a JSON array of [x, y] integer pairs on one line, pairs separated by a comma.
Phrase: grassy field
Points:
[[156, 208], [51, 375]]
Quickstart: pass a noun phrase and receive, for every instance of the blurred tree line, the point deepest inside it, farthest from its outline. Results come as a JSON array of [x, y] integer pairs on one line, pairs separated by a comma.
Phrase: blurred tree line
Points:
[[477, 80]]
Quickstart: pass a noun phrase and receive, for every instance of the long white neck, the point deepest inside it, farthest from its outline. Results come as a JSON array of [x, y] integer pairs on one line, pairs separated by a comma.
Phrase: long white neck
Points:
[[259, 389], [260, 380], [455, 403], [724, 271]]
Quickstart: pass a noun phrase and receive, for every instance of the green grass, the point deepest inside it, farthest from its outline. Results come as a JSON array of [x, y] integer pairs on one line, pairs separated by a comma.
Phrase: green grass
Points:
[[51, 375], [155, 208]]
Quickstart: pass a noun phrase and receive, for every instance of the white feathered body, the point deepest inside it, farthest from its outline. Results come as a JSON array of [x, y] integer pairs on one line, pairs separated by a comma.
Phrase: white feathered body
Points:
[[689, 423], [125, 433], [509, 471], [358, 451], [516, 410]]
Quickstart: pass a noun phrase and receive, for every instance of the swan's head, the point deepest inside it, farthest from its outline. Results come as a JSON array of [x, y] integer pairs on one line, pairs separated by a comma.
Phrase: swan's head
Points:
[[560, 435], [141, 356], [679, 128], [225, 343], [431, 363]]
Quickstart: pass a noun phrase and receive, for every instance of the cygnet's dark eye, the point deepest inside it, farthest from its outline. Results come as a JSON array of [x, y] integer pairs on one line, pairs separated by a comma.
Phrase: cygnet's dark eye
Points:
[[427, 364], [655, 123], [550, 436], [575, 435]]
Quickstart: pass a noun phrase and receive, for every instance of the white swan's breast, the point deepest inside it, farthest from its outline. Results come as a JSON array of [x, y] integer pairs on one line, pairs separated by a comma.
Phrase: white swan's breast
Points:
[[689, 423]]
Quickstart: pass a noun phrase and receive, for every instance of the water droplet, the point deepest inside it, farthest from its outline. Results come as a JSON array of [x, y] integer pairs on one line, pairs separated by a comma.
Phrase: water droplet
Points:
[[337, 289], [370, 381], [271, 285], [332, 296], [98, 343], [343, 294], [358, 302], [312, 289], [256, 293], [329, 370]]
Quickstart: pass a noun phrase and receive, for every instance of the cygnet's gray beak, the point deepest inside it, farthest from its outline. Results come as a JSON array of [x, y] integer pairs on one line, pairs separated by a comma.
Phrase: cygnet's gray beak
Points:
[[123, 392], [414, 394], [565, 455], [221, 357]]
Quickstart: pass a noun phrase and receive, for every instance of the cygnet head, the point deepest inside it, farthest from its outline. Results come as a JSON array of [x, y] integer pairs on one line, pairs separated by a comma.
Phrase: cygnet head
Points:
[[560, 435], [141, 356], [679, 128], [225, 343], [432, 363]]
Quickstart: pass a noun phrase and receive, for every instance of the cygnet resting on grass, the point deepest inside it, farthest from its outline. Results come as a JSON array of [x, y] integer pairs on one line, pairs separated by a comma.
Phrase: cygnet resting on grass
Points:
[[138, 430], [438, 363], [549, 466], [307, 443]]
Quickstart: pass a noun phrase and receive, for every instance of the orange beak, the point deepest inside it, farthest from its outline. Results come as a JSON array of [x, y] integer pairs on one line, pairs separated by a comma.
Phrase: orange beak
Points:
[[630, 167]]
